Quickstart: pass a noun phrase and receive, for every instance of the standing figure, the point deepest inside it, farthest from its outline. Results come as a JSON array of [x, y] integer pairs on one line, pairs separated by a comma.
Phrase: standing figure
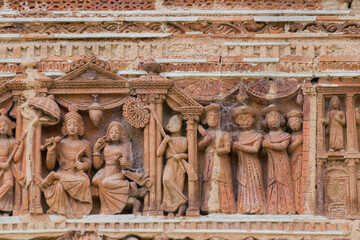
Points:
[[280, 186], [174, 171], [295, 151], [67, 191], [115, 189], [9, 150], [335, 120], [251, 191], [218, 191]]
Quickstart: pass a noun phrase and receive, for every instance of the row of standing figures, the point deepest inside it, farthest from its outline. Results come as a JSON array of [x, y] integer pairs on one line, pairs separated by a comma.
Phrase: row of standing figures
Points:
[[68, 188], [284, 153]]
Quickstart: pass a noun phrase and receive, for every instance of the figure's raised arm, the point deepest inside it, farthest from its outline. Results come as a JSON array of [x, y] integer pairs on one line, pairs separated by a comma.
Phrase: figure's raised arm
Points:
[[294, 145], [162, 147], [249, 148], [51, 154], [226, 148], [281, 146], [97, 158]]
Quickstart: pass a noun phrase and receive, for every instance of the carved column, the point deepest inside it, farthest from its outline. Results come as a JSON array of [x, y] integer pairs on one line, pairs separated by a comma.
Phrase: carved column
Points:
[[320, 125], [350, 123], [18, 133], [24, 191], [35, 192], [152, 163], [191, 130], [351, 164], [320, 185], [309, 149], [146, 165], [159, 160]]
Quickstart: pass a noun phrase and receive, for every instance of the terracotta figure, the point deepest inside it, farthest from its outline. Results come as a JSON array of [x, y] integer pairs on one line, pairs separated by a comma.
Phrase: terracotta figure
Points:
[[280, 186], [295, 152], [251, 191], [335, 120], [9, 150], [116, 190], [67, 191], [218, 193], [174, 171]]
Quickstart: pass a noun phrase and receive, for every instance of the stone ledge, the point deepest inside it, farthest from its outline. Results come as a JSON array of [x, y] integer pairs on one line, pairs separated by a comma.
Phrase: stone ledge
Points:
[[234, 226], [191, 12]]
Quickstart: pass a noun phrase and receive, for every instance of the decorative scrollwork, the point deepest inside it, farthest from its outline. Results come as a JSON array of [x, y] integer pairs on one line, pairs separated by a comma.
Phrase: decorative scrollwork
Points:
[[135, 113]]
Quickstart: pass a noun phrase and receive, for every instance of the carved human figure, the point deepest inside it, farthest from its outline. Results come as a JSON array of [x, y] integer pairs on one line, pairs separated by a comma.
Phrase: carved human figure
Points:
[[67, 190], [116, 184], [294, 122], [335, 121], [251, 191], [174, 171], [280, 186], [10, 150], [218, 193]]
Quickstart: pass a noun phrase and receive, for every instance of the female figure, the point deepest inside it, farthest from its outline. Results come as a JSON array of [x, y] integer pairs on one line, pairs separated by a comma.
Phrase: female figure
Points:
[[7, 146], [335, 120], [295, 150], [67, 191], [218, 193], [280, 187], [174, 171], [251, 191], [115, 190]]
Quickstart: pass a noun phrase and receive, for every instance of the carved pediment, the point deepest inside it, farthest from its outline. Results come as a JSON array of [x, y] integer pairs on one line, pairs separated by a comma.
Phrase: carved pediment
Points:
[[90, 68]]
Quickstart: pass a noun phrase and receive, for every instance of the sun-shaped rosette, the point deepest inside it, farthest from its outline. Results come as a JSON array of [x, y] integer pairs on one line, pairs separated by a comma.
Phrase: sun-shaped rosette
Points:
[[135, 113]]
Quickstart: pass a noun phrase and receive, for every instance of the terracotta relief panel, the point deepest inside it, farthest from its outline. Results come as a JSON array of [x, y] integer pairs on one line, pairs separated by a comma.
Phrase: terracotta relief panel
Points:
[[335, 123], [338, 153], [50, 5], [252, 4], [102, 144], [337, 192]]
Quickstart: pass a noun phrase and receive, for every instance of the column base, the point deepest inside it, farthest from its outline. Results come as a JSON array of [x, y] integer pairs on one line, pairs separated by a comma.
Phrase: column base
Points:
[[150, 213], [37, 209], [192, 212]]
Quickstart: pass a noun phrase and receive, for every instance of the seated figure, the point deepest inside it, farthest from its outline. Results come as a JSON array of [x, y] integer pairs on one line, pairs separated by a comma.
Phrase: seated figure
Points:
[[117, 184], [67, 190]]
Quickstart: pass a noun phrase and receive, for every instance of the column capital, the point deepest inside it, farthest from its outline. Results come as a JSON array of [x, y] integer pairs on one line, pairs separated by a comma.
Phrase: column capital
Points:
[[321, 162], [351, 162], [309, 90], [152, 97], [191, 113]]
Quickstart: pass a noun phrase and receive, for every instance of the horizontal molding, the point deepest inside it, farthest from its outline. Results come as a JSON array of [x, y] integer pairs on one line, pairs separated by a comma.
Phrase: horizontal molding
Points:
[[258, 74], [11, 60], [181, 60], [285, 18], [83, 35], [249, 44], [191, 12]]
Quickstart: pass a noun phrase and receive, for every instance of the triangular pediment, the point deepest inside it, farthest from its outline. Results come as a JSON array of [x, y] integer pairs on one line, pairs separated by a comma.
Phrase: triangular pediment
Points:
[[180, 101], [90, 68]]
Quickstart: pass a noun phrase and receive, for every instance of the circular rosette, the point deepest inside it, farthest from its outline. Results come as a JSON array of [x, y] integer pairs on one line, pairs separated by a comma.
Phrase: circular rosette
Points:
[[135, 113]]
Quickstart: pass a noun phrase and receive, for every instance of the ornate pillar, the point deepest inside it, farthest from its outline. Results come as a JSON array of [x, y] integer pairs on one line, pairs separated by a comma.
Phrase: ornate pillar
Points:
[[320, 125], [351, 164], [320, 185], [350, 123], [308, 176], [146, 165], [19, 124], [159, 160], [193, 186], [152, 163], [24, 191], [35, 192]]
